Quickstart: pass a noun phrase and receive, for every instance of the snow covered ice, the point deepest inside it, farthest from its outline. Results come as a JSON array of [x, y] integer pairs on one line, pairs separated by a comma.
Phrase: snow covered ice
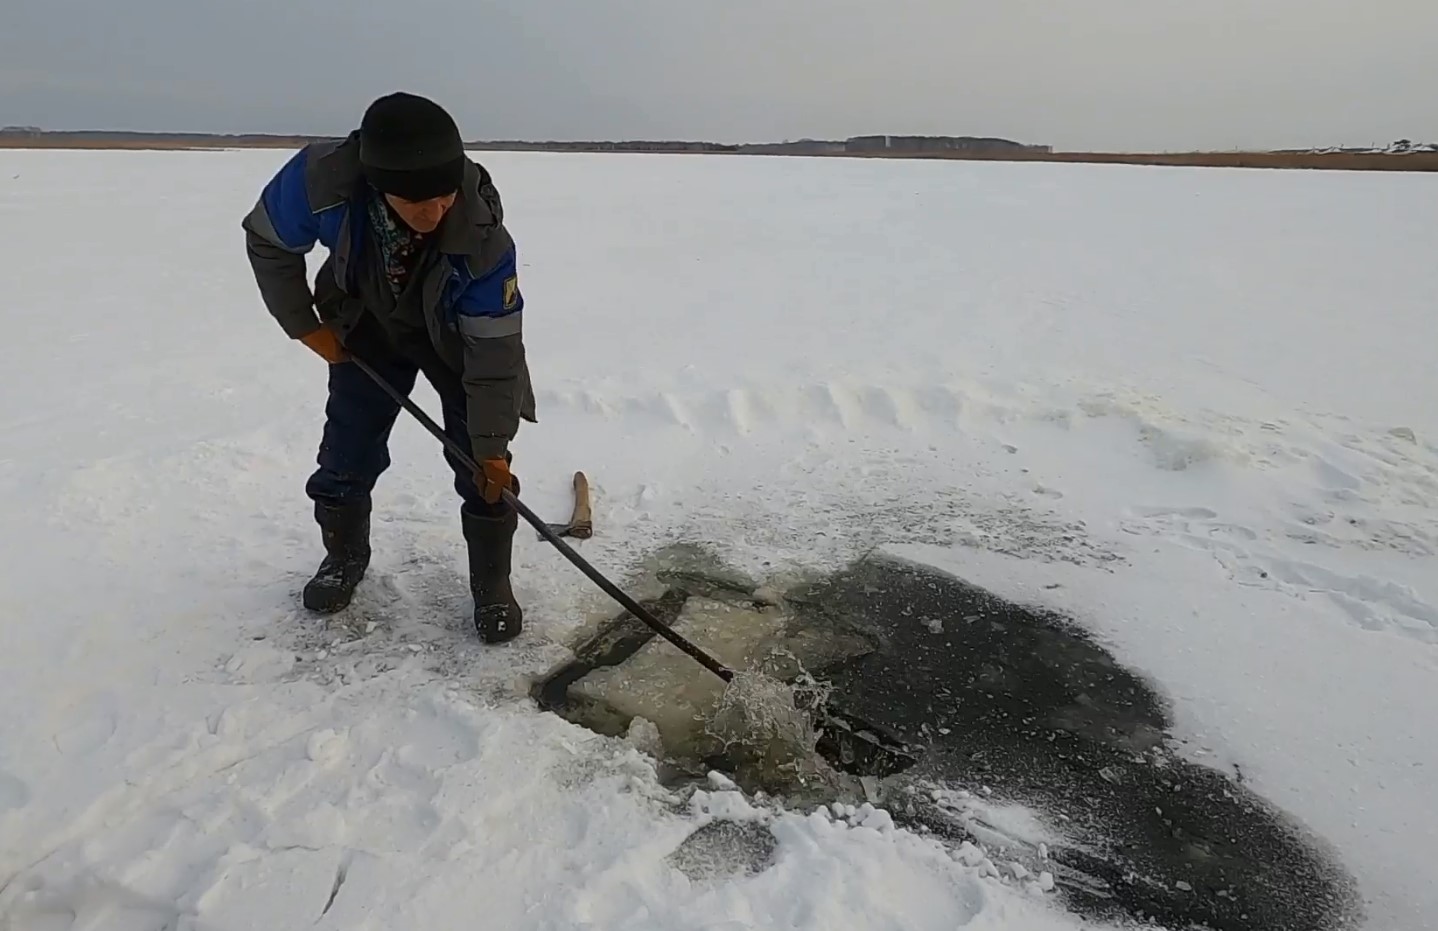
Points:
[[1190, 408]]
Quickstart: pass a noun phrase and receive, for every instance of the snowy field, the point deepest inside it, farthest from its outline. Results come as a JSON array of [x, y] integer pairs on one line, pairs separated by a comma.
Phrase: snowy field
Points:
[[1223, 379]]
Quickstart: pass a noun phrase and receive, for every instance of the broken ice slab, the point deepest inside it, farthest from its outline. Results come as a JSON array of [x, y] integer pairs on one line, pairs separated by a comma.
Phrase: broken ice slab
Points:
[[664, 685]]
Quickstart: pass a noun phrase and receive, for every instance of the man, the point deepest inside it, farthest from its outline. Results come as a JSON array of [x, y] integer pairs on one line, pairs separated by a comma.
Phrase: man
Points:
[[421, 277]]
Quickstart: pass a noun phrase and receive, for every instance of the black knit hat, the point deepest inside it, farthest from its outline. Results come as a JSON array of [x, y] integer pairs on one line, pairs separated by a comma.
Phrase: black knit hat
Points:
[[411, 148]]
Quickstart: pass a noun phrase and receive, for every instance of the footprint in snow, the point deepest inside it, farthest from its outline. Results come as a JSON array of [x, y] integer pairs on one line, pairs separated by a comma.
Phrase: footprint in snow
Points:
[[1191, 513]]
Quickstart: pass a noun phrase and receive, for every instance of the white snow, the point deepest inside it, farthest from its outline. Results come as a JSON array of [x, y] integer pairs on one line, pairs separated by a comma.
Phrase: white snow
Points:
[[1192, 407]]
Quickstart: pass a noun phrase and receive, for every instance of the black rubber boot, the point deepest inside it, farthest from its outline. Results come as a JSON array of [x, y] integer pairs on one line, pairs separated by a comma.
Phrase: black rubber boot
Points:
[[497, 615], [345, 532]]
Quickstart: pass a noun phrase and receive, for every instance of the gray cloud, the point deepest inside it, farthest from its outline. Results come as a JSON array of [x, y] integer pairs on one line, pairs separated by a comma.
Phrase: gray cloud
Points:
[[1152, 74]]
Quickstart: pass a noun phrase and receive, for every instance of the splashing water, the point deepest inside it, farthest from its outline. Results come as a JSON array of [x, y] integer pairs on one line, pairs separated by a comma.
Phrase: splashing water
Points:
[[767, 734]]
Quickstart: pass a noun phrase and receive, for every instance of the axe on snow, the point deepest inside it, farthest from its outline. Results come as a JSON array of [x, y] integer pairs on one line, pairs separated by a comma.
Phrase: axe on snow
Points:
[[581, 521]]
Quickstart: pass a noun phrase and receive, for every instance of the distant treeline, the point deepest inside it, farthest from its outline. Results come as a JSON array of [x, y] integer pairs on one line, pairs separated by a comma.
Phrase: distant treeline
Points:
[[85, 138], [859, 145], [854, 145], [1399, 157]]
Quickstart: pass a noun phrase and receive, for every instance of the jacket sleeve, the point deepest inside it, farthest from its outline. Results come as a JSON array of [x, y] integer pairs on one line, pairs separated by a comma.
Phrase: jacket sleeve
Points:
[[279, 231], [490, 316]]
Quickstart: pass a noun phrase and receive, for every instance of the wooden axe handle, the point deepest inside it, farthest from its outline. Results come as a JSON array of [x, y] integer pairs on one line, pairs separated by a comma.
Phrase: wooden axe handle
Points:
[[581, 524]]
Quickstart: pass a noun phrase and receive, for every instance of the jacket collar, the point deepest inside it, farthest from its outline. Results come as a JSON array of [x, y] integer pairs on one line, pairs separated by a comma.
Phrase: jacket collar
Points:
[[475, 214]]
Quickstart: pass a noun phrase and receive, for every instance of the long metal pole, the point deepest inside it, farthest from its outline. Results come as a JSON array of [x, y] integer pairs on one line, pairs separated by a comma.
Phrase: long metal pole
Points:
[[638, 610]]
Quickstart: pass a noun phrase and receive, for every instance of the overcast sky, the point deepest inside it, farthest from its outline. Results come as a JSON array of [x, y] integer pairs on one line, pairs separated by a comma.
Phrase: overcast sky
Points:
[[1093, 74]]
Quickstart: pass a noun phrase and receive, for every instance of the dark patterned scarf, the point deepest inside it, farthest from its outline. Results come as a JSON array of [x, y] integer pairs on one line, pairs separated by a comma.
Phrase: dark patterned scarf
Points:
[[399, 246]]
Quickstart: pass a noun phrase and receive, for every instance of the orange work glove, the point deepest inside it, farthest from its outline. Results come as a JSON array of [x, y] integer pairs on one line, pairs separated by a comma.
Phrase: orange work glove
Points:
[[325, 344], [493, 478]]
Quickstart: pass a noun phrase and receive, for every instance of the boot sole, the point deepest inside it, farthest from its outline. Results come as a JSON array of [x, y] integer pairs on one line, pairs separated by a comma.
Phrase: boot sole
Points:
[[321, 603], [326, 608], [488, 635]]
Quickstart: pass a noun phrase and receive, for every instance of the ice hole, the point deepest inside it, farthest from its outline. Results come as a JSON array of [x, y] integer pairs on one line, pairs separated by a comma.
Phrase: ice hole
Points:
[[760, 727], [973, 719]]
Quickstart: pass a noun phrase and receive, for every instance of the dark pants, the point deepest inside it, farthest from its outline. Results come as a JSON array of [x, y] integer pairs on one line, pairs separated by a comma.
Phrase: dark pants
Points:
[[359, 417]]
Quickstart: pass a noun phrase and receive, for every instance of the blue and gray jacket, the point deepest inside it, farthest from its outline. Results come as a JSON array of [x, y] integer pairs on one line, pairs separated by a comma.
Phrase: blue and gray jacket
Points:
[[468, 299]]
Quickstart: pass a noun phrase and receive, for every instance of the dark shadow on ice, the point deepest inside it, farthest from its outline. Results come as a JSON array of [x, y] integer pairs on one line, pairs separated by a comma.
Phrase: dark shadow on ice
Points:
[[1005, 705]]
